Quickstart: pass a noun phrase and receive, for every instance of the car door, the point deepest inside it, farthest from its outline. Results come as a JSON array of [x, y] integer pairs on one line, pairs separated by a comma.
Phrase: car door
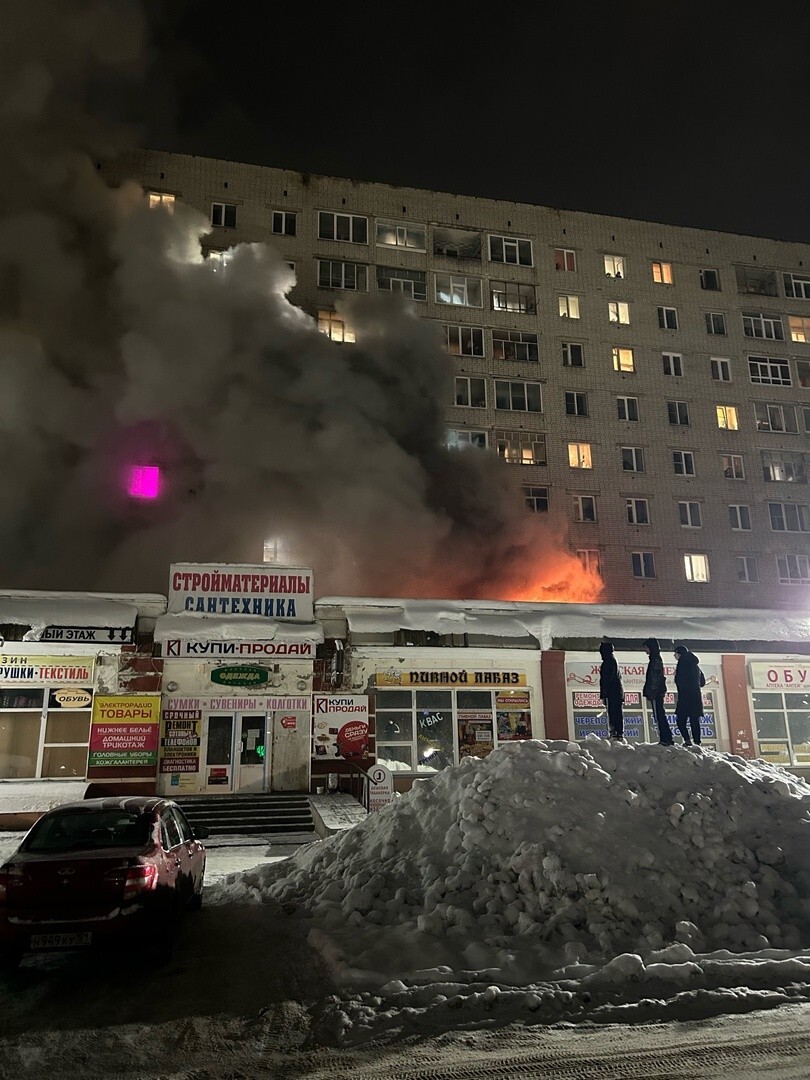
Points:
[[193, 854], [173, 847]]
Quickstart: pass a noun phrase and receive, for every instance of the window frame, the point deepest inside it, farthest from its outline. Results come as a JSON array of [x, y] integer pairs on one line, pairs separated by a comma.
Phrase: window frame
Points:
[[689, 509], [470, 403], [642, 564], [678, 413], [462, 329], [635, 456], [567, 354], [576, 398], [662, 273], [667, 318], [529, 389], [285, 216], [353, 221], [728, 417], [568, 256], [769, 371], [580, 455], [568, 305], [690, 561], [360, 272], [738, 515], [620, 354], [672, 364], [532, 496], [637, 509], [626, 399], [580, 502], [512, 243], [715, 319], [224, 215], [718, 366], [687, 459], [733, 466], [457, 285]]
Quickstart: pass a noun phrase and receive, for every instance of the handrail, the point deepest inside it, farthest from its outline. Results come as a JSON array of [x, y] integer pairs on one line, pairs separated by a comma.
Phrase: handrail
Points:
[[359, 783]]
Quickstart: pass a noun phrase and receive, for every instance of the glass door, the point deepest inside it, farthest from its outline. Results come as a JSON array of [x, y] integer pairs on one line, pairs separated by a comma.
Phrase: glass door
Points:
[[251, 768], [219, 754]]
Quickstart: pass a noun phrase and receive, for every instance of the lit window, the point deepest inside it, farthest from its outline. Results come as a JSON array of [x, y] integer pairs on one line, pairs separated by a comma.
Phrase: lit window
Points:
[[514, 345], [508, 249], [715, 322], [521, 447], [283, 222], [342, 275], [143, 482], [786, 466], [619, 312], [584, 507], [727, 417], [689, 515], [799, 328], [638, 511], [511, 296], [733, 468], [348, 228], [793, 569], [590, 559], [579, 455], [576, 403], [569, 307], [721, 369], [632, 459], [471, 392], [464, 340], [623, 360], [739, 517], [400, 234], [757, 325], [518, 396], [223, 215], [160, 198], [643, 564], [460, 439], [696, 567], [565, 259], [459, 290], [334, 327], [572, 354], [668, 318], [662, 273], [683, 462], [678, 412], [672, 364], [627, 408], [747, 568], [614, 266], [536, 498]]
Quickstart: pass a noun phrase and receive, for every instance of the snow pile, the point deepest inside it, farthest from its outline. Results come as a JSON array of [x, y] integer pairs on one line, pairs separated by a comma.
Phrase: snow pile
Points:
[[593, 865]]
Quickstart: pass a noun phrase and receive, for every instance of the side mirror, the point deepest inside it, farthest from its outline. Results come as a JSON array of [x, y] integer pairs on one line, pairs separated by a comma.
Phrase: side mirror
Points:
[[201, 832]]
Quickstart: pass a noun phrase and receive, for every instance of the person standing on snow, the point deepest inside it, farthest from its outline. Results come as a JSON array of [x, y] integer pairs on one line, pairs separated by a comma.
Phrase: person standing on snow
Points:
[[689, 708], [611, 690], [655, 686]]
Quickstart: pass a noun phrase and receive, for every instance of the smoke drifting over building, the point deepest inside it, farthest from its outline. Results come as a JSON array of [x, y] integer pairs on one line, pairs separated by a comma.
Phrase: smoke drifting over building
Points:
[[120, 345]]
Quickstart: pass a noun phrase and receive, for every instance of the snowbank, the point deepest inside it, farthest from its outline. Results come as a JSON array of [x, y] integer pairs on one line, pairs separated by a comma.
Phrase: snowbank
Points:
[[562, 869]]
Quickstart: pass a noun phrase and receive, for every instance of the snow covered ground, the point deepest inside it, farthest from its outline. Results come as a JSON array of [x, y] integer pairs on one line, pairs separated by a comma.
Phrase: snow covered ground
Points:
[[549, 884]]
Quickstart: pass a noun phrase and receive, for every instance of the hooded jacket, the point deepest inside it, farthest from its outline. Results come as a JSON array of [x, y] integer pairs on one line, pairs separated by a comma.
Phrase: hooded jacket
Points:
[[655, 684], [610, 681], [687, 682]]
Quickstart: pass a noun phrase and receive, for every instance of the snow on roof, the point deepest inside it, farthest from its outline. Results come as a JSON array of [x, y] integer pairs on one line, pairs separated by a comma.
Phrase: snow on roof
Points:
[[42, 609], [244, 628], [547, 623]]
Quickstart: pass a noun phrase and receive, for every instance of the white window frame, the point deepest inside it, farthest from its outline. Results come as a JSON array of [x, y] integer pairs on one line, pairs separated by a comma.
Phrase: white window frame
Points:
[[521, 343], [638, 511], [797, 286], [580, 455], [591, 559], [521, 447], [220, 210], [536, 497], [750, 569], [739, 516], [696, 567], [517, 247], [334, 327], [727, 417], [351, 220], [720, 368], [528, 389], [623, 402], [704, 280], [459, 331], [619, 312], [353, 276], [799, 326], [285, 217], [407, 235], [783, 466], [624, 359], [715, 319], [464, 438], [687, 462], [793, 569], [635, 456], [512, 296], [776, 418], [769, 371], [466, 382], [463, 290], [568, 306], [690, 515], [614, 266], [642, 564], [565, 260], [662, 273], [667, 318], [580, 502], [757, 324], [672, 364], [568, 354], [794, 517], [733, 466], [680, 411], [576, 398]]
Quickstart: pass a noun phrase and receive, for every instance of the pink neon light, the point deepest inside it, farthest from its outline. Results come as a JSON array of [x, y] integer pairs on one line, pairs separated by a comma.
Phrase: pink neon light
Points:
[[144, 482]]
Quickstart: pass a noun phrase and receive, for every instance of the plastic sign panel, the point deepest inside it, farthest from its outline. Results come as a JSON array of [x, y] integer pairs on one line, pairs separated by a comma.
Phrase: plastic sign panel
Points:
[[380, 787], [270, 592], [339, 726], [124, 730], [16, 669]]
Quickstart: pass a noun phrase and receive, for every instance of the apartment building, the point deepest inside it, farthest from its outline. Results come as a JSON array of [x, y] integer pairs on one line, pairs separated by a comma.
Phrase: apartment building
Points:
[[651, 382]]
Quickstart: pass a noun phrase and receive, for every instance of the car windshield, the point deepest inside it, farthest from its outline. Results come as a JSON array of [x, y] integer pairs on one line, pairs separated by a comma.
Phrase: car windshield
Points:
[[85, 830]]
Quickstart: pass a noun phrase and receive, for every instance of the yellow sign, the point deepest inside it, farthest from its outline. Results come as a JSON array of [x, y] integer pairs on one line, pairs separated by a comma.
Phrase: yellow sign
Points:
[[476, 679], [18, 669], [775, 752]]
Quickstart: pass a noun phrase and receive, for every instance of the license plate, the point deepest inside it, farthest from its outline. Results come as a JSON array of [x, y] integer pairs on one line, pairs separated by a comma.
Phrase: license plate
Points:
[[60, 941]]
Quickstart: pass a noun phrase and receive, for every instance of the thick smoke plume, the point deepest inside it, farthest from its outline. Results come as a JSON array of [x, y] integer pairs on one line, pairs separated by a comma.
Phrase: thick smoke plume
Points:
[[120, 345]]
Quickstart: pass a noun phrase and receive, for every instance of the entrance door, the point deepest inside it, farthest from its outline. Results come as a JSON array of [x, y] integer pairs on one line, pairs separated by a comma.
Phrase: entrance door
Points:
[[251, 767], [219, 754]]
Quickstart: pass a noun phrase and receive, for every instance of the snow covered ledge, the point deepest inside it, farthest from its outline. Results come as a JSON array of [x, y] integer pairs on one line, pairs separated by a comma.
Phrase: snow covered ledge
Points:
[[336, 812], [23, 801]]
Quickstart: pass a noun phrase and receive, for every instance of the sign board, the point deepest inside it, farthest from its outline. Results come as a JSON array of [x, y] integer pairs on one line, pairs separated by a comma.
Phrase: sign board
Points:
[[239, 650], [96, 635], [180, 741], [124, 730], [585, 675], [339, 726], [284, 593], [451, 678], [241, 675], [767, 675], [380, 787], [20, 668]]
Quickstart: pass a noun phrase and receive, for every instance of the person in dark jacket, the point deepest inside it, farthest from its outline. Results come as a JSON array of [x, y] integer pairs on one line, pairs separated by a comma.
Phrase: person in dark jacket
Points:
[[611, 690], [655, 686], [689, 708]]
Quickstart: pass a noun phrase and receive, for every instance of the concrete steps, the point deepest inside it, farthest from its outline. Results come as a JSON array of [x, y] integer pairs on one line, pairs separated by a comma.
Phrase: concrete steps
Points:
[[249, 815]]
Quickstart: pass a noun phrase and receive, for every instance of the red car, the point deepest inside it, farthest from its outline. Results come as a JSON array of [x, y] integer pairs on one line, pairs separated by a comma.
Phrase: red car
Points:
[[100, 872]]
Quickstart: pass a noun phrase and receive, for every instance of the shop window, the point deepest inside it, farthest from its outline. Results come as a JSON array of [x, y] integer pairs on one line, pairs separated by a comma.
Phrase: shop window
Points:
[[783, 727]]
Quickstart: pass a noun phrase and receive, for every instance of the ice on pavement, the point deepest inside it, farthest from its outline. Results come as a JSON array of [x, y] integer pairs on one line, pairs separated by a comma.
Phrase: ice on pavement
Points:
[[560, 879]]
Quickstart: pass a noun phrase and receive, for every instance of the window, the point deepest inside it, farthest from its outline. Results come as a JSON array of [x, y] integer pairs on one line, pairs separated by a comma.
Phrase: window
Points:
[[619, 312], [459, 290], [614, 266], [579, 455], [584, 507], [683, 462], [756, 281], [223, 215], [508, 249], [757, 325], [464, 340], [793, 569], [715, 322], [569, 307], [689, 515], [342, 275], [643, 564], [412, 283], [638, 511], [576, 403], [160, 198], [806, 413], [696, 567], [797, 286], [799, 328], [623, 360], [789, 517], [733, 467], [772, 417], [632, 459], [739, 517], [627, 408], [456, 243], [803, 373], [565, 259], [510, 296], [333, 326], [282, 222], [536, 498], [672, 364], [471, 393], [747, 568], [668, 318], [784, 465], [727, 417], [514, 345], [521, 447], [572, 354], [662, 273], [518, 396], [401, 234], [678, 412], [710, 280], [589, 557], [769, 372], [721, 369], [347, 228], [459, 439]]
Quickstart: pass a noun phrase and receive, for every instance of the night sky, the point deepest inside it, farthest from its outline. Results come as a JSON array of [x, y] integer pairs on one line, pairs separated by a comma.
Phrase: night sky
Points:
[[686, 113]]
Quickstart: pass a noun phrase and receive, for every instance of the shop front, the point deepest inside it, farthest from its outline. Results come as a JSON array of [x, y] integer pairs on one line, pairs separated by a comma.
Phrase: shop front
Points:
[[780, 705]]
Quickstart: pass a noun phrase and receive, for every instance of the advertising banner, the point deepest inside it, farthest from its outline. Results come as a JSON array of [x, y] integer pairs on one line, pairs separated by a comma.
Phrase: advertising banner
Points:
[[451, 678], [381, 787], [275, 592], [19, 668], [768, 675], [339, 726], [180, 741], [277, 648], [124, 730]]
